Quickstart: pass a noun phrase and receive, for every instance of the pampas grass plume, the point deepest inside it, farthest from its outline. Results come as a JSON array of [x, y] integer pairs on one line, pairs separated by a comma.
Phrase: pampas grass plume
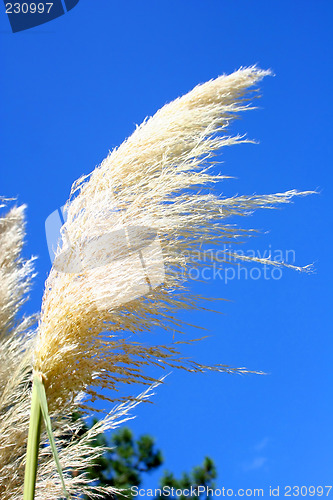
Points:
[[156, 189]]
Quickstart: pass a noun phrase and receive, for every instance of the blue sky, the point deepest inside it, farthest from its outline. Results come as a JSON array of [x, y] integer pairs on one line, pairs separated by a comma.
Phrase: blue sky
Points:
[[75, 88]]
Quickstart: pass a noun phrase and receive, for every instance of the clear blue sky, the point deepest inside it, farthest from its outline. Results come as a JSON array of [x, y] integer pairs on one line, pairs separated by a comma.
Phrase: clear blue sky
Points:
[[74, 88]]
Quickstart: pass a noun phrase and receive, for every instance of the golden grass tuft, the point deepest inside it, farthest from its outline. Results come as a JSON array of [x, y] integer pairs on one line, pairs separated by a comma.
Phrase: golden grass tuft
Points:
[[159, 181], [159, 178]]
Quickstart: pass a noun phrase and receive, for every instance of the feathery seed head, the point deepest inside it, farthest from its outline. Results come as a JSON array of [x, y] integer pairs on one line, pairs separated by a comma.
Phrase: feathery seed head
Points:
[[16, 349], [15, 273], [109, 277], [131, 229]]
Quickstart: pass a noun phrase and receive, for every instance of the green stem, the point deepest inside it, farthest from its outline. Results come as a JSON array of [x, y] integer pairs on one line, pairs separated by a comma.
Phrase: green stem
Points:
[[33, 446]]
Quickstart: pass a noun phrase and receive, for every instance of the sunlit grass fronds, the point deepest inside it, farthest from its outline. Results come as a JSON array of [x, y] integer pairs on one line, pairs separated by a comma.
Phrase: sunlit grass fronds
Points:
[[15, 272], [14, 421], [15, 362], [16, 340], [160, 178]]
